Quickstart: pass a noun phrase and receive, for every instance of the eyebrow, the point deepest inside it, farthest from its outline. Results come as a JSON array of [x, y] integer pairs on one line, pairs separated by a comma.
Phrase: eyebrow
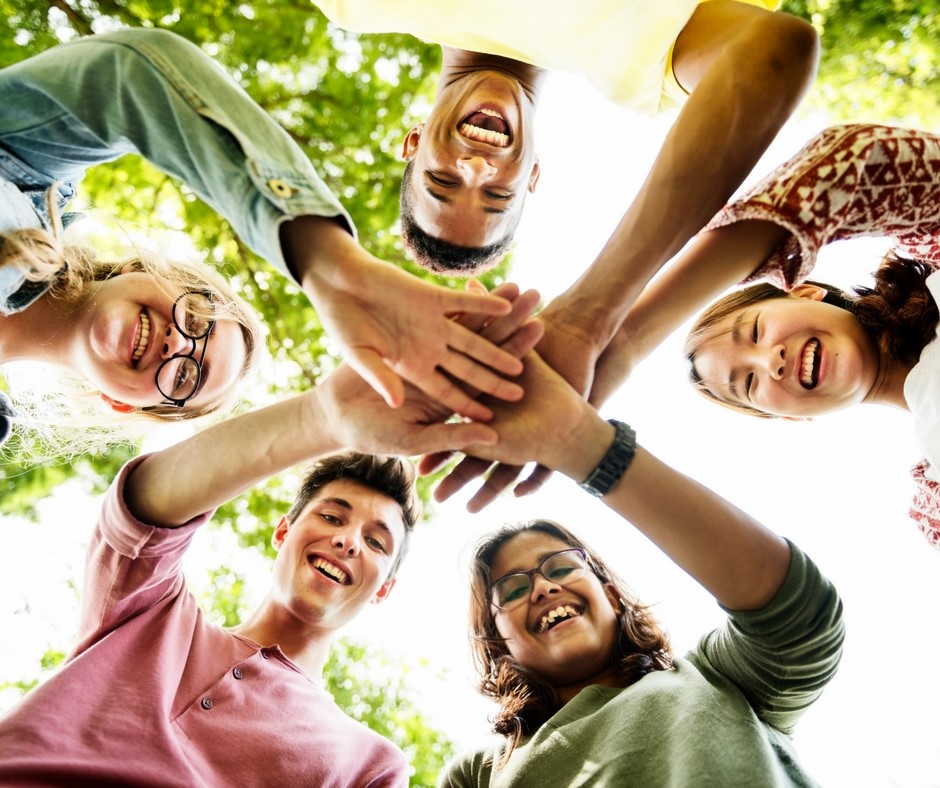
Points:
[[445, 199], [344, 504], [539, 558]]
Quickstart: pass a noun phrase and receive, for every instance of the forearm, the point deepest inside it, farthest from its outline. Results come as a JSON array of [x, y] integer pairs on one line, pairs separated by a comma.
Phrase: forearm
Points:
[[214, 466], [714, 261], [742, 96]]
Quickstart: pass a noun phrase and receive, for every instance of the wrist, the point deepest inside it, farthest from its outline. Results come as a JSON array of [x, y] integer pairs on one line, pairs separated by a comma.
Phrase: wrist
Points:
[[611, 468], [313, 246]]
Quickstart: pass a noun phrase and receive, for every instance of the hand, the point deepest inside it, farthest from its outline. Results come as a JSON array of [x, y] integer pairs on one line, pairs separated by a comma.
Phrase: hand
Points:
[[393, 327], [361, 420], [568, 350], [553, 426]]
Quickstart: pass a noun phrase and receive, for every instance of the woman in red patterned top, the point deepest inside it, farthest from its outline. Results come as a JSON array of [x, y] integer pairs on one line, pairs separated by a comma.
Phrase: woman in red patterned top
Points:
[[795, 349]]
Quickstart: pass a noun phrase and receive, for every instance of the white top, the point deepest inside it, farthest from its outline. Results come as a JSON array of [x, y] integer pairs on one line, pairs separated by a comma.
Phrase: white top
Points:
[[922, 392]]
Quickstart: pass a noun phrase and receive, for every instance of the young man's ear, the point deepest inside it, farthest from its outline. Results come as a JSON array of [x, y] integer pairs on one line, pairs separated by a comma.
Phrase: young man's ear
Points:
[[280, 533], [409, 146], [115, 405], [384, 590], [809, 291], [534, 176]]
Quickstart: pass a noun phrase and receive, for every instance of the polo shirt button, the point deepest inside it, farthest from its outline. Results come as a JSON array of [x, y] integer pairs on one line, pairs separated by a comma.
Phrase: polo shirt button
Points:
[[206, 703], [237, 673], [264, 653], [280, 188]]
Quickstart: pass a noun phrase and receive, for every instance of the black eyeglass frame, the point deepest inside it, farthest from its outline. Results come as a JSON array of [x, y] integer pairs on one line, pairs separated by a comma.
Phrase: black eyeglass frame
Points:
[[531, 573], [191, 355]]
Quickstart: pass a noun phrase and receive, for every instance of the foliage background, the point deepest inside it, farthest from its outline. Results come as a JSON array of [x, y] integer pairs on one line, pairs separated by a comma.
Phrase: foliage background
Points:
[[347, 101]]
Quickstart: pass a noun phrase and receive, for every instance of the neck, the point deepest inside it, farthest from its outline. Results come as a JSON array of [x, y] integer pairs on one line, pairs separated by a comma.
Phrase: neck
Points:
[[609, 678], [41, 332], [305, 645], [458, 63]]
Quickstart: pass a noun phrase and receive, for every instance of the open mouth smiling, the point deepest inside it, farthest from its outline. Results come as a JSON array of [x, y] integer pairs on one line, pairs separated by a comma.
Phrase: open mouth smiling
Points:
[[487, 126], [809, 364], [328, 569], [555, 616], [141, 339]]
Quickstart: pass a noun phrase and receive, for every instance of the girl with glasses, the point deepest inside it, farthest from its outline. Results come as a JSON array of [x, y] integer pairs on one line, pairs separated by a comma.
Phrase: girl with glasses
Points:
[[588, 688]]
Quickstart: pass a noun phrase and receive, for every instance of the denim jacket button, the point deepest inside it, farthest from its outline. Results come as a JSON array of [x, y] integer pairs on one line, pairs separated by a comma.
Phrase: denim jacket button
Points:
[[280, 188]]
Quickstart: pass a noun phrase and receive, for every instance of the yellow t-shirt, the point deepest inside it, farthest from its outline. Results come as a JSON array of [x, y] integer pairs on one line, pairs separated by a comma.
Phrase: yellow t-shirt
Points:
[[623, 46]]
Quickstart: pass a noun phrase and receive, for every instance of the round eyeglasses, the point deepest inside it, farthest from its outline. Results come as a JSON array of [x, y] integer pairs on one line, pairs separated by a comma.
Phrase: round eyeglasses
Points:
[[562, 568], [179, 376]]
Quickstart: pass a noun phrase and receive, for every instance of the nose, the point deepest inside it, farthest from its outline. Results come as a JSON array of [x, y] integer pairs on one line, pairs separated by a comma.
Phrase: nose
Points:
[[176, 343], [347, 542], [542, 587], [775, 361], [475, 169]]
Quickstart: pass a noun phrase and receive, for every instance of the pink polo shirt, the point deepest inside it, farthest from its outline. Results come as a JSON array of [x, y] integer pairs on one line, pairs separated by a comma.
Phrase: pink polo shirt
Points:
[[155, 694]]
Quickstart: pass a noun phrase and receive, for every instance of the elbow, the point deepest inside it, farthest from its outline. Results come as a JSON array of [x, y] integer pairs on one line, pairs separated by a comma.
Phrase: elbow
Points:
[[792, 57]]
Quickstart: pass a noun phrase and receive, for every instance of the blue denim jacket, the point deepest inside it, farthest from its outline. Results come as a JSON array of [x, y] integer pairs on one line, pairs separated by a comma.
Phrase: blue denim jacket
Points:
[[153, 93]]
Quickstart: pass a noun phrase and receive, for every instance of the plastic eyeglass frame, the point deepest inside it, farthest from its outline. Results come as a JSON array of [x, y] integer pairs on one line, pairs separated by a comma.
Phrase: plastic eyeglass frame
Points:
[[531, 573]]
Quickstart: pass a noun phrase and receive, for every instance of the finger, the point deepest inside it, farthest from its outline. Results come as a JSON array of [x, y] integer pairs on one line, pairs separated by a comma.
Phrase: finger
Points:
[[468, 469], [373, 369], [534, 483], [482, 350], [502, 476], [443, 390], [482, 380], [525, 338], [476, 322], [433, 462], [499, 329], [452, 435], [474, 303]]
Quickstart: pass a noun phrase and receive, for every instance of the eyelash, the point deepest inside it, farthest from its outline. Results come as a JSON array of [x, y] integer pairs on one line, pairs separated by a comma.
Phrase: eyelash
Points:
[[749, 380], [443, 182], [495, 196]]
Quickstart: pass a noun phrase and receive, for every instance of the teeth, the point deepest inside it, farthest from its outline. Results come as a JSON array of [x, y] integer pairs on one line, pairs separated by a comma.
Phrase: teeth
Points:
[[809, 363], [329, 569], [143, 337], [484, 135], [559, 613]]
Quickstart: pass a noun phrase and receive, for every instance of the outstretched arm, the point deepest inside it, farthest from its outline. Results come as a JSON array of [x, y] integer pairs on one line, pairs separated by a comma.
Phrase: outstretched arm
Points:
[[173, 486], [156, 94], [746, 69], [738, 560]]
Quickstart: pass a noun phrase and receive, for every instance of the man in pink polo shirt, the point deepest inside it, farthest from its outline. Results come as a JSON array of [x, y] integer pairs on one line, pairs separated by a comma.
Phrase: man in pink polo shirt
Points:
[[156, 694]]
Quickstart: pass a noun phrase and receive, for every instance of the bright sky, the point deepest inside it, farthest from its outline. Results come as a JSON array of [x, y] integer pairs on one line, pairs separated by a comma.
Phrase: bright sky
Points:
[[838, 487]]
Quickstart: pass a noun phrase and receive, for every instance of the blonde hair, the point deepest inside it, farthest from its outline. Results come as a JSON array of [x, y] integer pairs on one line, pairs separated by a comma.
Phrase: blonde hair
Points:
[[71, 271]]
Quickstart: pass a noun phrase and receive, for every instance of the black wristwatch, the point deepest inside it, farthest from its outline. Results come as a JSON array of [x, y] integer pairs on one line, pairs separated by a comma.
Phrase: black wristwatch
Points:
[[614, 463]]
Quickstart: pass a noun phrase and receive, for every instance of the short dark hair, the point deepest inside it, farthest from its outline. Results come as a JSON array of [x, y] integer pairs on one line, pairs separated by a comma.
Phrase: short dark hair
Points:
[[443, 257], [393, 477]]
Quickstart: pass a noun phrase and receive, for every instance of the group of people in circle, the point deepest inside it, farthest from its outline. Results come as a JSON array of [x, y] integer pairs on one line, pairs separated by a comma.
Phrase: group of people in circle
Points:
[[588, 688]]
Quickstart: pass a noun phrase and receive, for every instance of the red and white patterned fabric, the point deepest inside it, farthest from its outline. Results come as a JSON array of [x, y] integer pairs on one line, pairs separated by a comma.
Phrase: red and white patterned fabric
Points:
[[925, 508], [848, 182]]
